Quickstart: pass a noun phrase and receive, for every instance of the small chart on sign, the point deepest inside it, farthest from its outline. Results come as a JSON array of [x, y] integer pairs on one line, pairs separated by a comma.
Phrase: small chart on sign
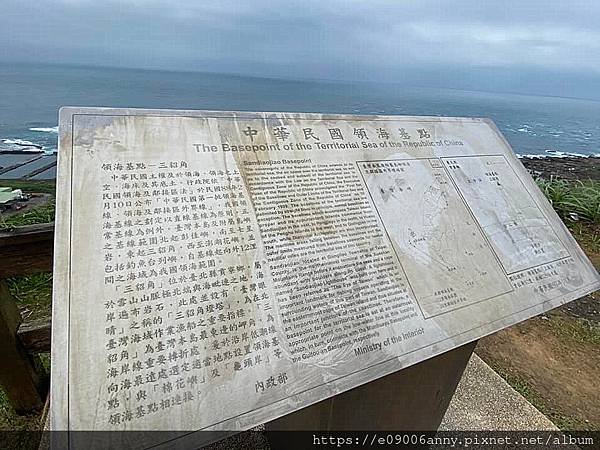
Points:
[[508, 214], [218, 270], [429, 238]]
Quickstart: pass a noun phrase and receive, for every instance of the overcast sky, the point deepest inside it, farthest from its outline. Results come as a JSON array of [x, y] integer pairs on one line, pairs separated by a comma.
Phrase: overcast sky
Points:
[[491, 44]]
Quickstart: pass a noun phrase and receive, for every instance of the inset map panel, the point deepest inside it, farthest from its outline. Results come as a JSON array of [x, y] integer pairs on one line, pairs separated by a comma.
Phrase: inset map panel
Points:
[[444, 254], [518, 231]]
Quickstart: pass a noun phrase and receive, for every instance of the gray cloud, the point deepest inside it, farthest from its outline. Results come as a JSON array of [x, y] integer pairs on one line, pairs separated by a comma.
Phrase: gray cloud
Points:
[[340, 39]]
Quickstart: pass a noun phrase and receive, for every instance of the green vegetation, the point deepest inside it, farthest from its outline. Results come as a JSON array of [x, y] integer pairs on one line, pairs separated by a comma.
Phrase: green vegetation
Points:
[[9, 421], [34, 298], [578, 204], [45, 187], [524, 388], [574, 201], [579, 330], [25, 431], [588, 236], [33, 294], [40, 214]]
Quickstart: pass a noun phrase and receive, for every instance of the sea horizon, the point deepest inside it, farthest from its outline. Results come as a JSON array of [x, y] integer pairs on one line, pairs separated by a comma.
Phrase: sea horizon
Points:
[[533, 124]]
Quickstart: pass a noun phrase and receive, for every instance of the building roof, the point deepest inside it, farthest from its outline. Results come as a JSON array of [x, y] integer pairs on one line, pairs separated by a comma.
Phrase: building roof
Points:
[[15, 165]]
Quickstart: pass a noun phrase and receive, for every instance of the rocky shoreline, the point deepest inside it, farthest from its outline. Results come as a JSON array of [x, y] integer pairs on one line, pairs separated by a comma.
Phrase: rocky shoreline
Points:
[[565, 168]]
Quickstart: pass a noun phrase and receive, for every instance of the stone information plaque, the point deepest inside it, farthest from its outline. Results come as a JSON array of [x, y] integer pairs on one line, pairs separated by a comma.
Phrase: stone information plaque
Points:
[[216, 270]]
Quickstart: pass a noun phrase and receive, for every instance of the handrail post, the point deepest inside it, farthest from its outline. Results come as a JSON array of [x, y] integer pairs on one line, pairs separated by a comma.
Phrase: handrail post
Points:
[[21, 375]]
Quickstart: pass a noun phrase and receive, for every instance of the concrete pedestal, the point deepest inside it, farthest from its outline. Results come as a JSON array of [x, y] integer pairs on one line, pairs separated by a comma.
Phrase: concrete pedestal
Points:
[[415, 398]]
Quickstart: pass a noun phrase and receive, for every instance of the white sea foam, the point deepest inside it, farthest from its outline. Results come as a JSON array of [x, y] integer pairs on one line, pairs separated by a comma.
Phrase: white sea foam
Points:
[[558, 154], [45, 130], [19, 142], [527, 130], [21, 145]]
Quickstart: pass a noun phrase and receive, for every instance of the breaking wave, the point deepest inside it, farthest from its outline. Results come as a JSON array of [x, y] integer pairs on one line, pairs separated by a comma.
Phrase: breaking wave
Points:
[[45, 129], [558, 154]]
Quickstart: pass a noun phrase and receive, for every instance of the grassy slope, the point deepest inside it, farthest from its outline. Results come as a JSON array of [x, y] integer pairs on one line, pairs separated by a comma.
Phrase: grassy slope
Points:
[[46, 187], [41, 214]]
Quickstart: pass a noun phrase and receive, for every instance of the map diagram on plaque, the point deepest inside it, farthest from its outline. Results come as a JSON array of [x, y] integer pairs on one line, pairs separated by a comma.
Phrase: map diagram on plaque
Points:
[[518, 231], [433, 233]]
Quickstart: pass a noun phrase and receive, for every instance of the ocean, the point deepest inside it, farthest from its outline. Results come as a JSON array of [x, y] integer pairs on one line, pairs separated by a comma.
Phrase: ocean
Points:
[[30, 96]]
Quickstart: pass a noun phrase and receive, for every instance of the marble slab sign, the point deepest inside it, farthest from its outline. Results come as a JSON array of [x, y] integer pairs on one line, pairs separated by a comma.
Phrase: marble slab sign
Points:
[[216, 270]]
